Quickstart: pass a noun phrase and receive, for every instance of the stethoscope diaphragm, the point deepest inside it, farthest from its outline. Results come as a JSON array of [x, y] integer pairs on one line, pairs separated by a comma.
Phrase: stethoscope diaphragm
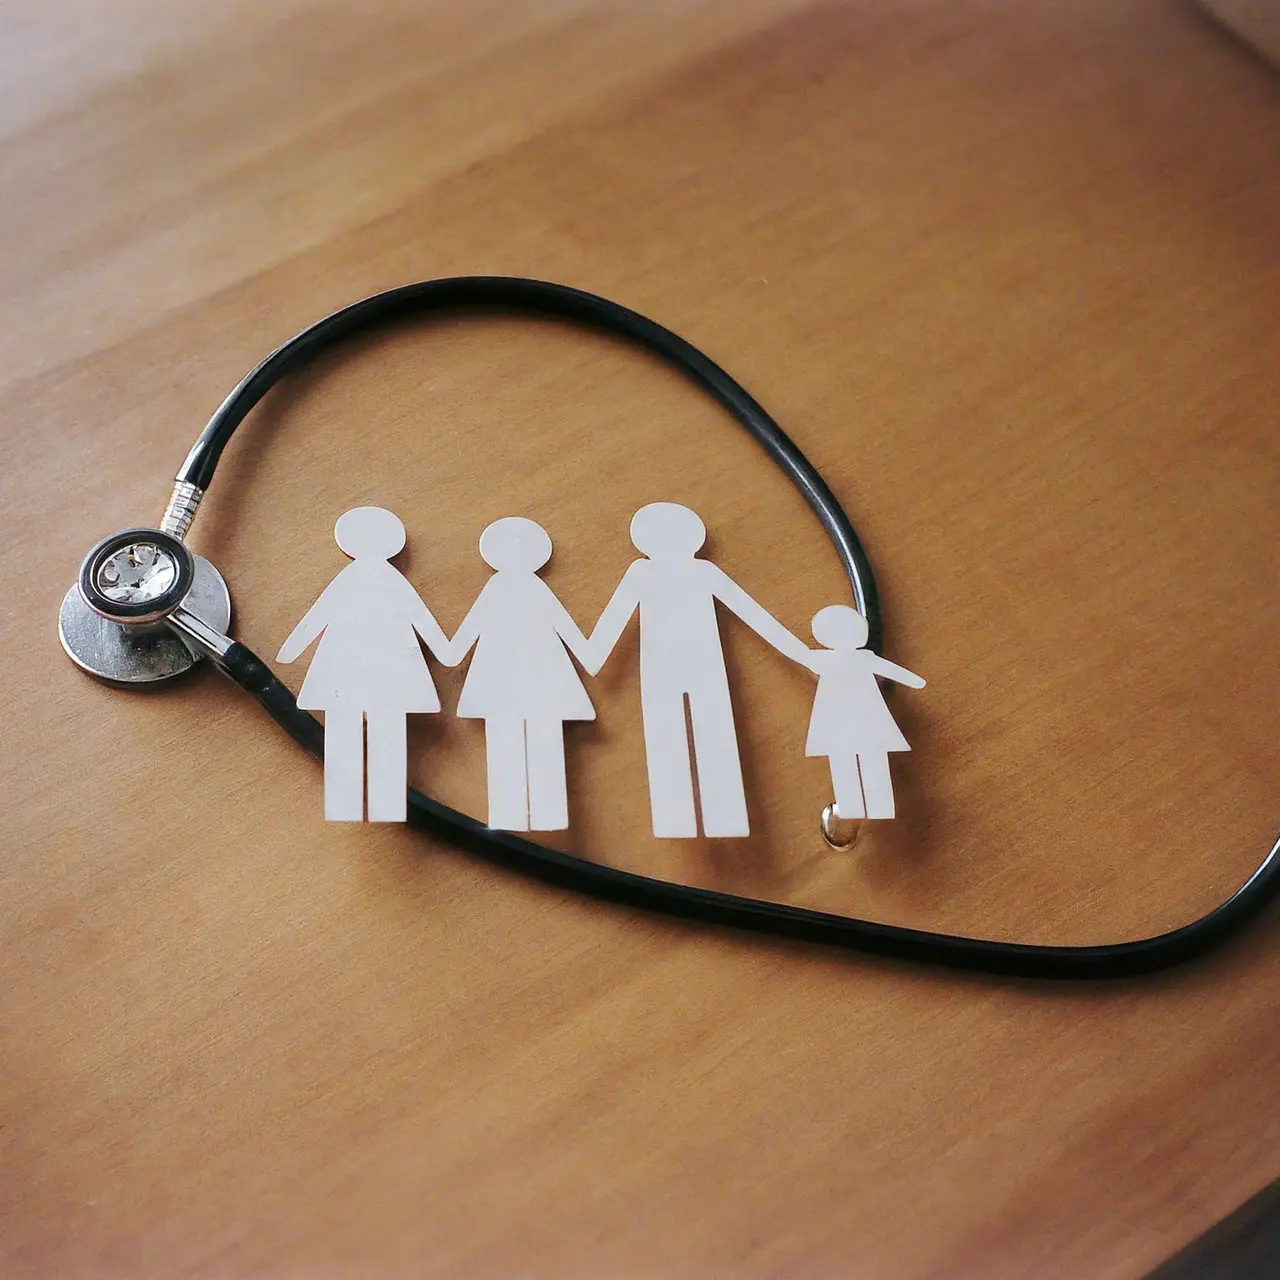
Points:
[[118, 621]]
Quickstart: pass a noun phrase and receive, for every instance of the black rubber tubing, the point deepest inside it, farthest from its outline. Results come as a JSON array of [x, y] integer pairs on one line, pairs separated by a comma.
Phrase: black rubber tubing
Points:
[[1014, 959]]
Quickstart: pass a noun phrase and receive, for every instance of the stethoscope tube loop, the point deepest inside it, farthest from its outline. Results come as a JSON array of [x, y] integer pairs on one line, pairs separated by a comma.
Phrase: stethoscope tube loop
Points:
[[707, 906]]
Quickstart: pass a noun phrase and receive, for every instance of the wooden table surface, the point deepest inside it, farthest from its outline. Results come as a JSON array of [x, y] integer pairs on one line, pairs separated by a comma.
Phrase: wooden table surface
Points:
[[1009, 273]]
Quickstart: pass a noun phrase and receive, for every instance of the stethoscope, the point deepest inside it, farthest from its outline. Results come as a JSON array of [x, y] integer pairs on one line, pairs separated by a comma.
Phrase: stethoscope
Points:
[[145, 609]]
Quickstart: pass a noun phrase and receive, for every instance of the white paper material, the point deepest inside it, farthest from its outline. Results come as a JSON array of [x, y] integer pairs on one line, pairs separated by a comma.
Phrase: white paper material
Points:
[[682, 665], [369, 671], [850, 724], [522, 682], [369, 674]]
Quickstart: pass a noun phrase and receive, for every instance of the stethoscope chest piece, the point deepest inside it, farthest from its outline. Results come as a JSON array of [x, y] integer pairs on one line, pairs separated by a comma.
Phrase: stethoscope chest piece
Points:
[[118, 621]]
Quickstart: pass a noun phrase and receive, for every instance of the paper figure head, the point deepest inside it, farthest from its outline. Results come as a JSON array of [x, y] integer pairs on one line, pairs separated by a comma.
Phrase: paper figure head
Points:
[[839, 626], [663, 530], [515, 543], [369, 532]]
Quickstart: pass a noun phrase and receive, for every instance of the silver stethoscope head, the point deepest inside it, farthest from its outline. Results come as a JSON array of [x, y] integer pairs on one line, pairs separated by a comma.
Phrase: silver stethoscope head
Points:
[[144, 608], [136, 576]]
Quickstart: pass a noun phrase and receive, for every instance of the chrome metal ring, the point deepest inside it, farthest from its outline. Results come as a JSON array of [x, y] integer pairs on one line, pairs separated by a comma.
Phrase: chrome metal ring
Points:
[[840, 833], [136, 576]]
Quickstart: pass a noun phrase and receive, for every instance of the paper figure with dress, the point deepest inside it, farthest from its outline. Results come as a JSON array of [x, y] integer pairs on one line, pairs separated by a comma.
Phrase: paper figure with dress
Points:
[[369, 672], [522, 682], [851, 724]]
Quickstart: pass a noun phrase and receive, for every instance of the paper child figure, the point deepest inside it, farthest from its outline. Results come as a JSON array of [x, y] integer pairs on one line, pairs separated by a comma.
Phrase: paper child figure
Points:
[[851, 724], [369, 668], [681, 658], [522, 683]]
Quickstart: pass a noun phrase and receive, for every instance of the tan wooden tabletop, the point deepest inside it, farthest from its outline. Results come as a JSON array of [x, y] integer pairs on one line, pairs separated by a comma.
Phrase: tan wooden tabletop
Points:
[[1009, 274]]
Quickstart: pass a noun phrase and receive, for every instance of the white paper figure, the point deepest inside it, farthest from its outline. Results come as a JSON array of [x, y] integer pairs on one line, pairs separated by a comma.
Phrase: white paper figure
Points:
[[851, 724], [369, 668], [522, 683], [681, 658]]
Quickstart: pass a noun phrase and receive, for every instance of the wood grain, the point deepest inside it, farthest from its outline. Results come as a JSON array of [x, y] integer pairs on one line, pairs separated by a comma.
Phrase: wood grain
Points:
[[1008, 273]]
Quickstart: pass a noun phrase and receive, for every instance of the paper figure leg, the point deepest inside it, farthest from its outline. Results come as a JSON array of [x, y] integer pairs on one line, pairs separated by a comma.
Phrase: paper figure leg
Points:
[[666, 749], [548, 789], [344, 765], [508, 775], [876, 785], [388, 766], [715, 748], [846, 785]]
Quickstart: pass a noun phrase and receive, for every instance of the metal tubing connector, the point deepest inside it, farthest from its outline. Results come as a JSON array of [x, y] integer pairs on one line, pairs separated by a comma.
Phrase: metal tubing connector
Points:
[[181, 510]]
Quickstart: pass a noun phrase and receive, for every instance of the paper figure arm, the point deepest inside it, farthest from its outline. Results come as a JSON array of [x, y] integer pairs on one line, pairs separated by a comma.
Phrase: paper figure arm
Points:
[[464, 638], [313, 623], [444, 649], [613, 622], [759, 619], [568, 631], [891, 670]]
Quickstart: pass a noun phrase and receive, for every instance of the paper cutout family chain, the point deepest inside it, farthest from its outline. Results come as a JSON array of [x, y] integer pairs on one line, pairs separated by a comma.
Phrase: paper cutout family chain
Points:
[[369, 674], [145, 608]]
